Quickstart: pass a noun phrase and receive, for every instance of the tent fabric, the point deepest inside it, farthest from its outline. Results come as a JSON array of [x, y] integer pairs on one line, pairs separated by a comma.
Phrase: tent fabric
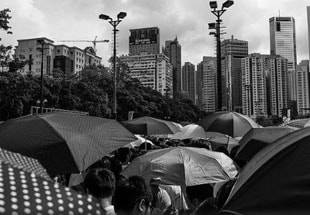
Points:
[[25, 193], [63, 142], [258, 138], [136, 128], [191, 131], [24, 163], [156, 126], [184, 166], [276, 180], [230, 123]]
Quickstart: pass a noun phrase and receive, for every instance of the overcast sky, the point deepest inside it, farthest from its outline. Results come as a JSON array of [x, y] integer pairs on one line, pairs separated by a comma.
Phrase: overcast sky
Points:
[[186, 19]]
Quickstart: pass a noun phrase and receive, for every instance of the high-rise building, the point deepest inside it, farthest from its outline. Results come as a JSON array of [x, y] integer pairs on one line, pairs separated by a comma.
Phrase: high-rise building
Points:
[[308, 15], [152, 70], [207, 89], [303, 103], [254, 85], [188, 80], [283, 43], [173, 51], [144, 41], [233, 50], [277, 86], [70, 60]]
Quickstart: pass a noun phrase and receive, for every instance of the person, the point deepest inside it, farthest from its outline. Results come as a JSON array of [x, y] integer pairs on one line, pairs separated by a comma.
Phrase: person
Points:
[[161, 199], [132, 198], [198, 194], [100, 183]]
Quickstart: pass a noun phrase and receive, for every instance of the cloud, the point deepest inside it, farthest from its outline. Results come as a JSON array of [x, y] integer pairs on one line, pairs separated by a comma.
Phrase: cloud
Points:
[[188, 20]]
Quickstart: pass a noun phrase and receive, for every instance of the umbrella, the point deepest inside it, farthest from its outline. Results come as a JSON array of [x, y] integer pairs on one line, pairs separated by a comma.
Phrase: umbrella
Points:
[[24, 193], [63, 142], [191, 131], [24, 163], [298, 123], [230, 123], [258, 138], [153, 126], [184, 166], [225, 141], [140, 140], [276, 180]]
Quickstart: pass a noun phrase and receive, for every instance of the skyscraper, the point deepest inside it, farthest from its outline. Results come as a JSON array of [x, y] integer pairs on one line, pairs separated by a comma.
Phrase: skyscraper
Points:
[[254, 85], [207, 93], [233, 50], [303, 87], [188, 80], [144, 40], [283, 43], [173, 51], [308, 15]]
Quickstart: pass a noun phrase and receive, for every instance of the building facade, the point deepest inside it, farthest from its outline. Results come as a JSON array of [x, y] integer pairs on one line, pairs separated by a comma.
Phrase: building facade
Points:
[[188, 80], [70, 60], [283, 43], [207, 91], [233, 50], [152, 70], [144, 41], [308, 15], [254, 86], [173, 51], [303, 103]]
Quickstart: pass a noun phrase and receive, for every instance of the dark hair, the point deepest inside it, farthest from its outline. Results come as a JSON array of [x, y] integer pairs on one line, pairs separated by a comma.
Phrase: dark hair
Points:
[[200, 192], [128, 194], [100, 182], [138, 182]]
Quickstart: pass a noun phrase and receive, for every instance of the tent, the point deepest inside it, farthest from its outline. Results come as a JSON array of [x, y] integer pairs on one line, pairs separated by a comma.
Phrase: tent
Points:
[[276, 180]]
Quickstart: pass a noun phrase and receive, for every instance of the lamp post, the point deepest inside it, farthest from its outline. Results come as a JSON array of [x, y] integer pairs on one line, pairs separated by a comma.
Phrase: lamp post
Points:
[[114, 24], [41, 41], [217, 26]]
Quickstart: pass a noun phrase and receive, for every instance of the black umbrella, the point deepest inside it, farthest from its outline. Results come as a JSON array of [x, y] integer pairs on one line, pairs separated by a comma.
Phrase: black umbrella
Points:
[[276, 180], [63, 142], [258, 138], [25, 193], [230, 123], [24, 163]]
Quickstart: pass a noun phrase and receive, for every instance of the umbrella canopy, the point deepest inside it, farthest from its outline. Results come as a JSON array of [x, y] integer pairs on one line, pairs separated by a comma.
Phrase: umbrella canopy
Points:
[[63, 142], [153, 126], [184, 166], [299, 123], [230, 123], [191, 131], [276, 180], [258, 138], [228, 142], [24, 163], [25, 193]]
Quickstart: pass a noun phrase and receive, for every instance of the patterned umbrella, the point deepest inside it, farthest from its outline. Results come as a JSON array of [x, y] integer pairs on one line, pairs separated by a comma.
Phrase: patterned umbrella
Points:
[[63, 142], [25, 193], [24, 163]]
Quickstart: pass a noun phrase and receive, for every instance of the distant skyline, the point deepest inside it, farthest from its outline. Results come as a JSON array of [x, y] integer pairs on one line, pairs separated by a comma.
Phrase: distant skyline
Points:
[[188, 20]]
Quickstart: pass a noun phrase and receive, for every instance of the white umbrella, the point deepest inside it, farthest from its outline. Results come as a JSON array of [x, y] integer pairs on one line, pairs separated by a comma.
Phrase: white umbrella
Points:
[[191, 131]]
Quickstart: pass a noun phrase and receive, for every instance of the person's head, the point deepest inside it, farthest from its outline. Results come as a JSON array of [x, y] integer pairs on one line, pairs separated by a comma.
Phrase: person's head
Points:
[[131, 198], [139, 182], [154, 184], [100, 183], [199, 193]]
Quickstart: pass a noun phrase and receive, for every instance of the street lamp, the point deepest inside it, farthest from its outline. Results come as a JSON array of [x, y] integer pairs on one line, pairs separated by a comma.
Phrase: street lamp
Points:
[[114, 24], [42, 43], [217, 26]]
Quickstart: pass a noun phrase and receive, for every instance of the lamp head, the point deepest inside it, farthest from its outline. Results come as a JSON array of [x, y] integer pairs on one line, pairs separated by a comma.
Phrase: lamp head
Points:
[[121, 15], [212, 25], [104, 17], [228, 3], [213, 4]]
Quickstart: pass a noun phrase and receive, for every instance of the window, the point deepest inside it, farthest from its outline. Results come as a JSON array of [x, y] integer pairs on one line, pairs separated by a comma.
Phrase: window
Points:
[[278, 26]]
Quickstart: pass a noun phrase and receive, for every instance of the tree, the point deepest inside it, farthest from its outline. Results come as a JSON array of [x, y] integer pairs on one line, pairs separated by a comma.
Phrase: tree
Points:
[[4, 20]]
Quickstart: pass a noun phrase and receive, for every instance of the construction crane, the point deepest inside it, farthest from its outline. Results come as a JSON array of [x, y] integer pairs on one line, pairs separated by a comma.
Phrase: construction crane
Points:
[[94, 42]]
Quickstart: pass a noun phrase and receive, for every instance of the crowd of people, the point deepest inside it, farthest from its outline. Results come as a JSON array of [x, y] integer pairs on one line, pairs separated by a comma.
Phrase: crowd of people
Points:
[[120, 195]]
